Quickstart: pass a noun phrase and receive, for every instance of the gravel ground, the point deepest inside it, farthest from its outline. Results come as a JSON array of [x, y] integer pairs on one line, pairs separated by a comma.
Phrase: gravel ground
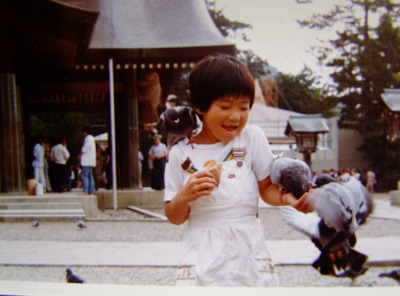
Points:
[[129, 226]]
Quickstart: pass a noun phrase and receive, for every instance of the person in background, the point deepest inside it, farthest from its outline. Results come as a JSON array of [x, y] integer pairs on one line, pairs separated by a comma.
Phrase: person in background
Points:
[[47, 166], [71, 178], [38, 161], [158, 154], [98, 169], [108, 168], [371, 180], [140, 160], [59, 155], [88, 161]]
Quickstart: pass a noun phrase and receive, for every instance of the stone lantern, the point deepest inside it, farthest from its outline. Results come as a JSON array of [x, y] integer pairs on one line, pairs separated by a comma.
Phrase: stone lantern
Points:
[[391, 98], [306, 129]]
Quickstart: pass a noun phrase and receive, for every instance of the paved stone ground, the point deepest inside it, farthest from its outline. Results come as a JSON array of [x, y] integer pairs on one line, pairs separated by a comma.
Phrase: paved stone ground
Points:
[[128, 226]]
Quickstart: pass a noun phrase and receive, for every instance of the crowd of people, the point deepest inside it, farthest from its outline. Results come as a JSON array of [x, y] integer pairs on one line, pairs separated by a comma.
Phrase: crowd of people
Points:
[[368, 177], [53, 169]]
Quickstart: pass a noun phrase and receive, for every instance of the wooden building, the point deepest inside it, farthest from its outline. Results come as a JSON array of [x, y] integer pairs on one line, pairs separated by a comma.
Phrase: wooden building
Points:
[[55, 57]]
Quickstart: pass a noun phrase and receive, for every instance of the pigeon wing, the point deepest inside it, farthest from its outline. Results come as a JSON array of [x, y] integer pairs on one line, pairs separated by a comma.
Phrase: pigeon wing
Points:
[[332, 203], [362, 200], [305, 223]]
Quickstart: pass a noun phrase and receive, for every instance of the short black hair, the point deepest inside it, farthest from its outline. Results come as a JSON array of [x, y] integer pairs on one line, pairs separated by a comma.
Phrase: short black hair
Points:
[[217, 76], [86, 129]]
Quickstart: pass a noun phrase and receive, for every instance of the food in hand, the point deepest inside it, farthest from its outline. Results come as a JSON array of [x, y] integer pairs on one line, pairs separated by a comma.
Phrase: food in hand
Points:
[[215, 169]]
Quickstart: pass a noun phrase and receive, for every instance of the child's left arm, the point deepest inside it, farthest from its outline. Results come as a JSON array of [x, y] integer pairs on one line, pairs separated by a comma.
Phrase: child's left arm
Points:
[[271, 194]]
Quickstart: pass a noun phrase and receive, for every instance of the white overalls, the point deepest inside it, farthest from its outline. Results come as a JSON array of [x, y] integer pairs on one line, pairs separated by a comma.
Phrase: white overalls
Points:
[[225, 243]]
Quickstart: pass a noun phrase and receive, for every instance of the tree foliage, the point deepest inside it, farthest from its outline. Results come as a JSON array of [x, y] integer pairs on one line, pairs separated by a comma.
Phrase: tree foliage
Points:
[[364, 56], [365, 59], [226, 26], [298, 93]]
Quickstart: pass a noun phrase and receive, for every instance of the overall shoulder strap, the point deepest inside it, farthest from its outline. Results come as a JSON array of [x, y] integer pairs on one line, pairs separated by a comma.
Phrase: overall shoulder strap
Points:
[[239, 149]]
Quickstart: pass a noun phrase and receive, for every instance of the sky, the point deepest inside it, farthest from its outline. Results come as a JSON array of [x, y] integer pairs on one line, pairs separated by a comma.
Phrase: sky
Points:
[[276, 36]]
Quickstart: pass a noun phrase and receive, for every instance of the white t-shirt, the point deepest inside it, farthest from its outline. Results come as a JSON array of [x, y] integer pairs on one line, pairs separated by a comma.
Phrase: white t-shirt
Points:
[[158, 150], [38, 154], [88, 157], [59, 154], [258, 158]]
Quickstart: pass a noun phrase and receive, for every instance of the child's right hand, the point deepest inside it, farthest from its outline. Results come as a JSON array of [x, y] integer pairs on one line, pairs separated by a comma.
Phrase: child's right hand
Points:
[[200, 183]]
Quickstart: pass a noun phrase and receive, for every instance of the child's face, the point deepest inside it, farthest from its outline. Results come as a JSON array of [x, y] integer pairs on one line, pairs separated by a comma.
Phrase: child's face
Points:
[[225, 119]]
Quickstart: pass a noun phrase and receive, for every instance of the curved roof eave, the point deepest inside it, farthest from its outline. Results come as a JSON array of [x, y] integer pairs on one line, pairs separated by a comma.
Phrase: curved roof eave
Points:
[[156, 29]]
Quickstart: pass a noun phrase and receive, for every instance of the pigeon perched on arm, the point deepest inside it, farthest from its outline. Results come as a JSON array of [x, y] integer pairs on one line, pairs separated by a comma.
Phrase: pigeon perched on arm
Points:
[[291, 175], [177, 123], [339, 209], [73, 278]]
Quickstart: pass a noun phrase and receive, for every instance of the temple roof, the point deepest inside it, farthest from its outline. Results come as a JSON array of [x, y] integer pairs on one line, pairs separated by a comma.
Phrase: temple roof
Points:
[[155, 24], [68, 32], [156, 30]]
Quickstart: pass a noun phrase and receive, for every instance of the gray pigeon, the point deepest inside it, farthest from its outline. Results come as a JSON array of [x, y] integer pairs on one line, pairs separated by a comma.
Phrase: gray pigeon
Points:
[[340, 208], [36, 223], [73, 278], [177, 123], [291, 175], [342, 205], [80, 224], [394, 274]]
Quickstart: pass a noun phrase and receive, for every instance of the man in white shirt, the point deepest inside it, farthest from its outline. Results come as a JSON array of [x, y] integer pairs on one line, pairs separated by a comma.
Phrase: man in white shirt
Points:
[[59, 155], [38, 162], [158, 154], [88, 161]]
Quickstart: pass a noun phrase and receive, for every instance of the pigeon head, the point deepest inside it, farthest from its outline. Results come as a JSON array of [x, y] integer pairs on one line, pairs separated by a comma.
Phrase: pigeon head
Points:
[[323, 179], [291, 174]]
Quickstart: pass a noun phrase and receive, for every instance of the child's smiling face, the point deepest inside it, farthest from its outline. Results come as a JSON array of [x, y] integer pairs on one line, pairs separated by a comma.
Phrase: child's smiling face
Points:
[[224, 120]]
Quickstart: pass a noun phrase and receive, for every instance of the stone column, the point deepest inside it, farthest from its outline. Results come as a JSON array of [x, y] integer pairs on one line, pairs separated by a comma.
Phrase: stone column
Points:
[[127, 133], [12, 152]]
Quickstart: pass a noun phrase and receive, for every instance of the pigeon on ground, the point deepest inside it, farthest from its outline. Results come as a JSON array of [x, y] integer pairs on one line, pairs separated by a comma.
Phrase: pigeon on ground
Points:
[[80, 224], [339, 209], [73, 278], [177, 123], [394, 274], [36, 223]]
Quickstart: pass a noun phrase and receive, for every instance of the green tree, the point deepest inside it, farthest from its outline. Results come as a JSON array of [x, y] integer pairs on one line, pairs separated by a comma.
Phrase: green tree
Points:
[[364, 57], [236, 30], [299, 93], [226, 26]]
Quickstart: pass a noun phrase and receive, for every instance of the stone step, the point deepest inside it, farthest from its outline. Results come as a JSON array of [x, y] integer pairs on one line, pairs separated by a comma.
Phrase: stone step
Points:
[[42, 213], [40, 205], [69, 200]]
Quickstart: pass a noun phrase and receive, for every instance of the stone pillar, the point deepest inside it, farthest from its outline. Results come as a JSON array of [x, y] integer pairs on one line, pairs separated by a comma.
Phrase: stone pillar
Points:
[[127, 133], [12, 144]]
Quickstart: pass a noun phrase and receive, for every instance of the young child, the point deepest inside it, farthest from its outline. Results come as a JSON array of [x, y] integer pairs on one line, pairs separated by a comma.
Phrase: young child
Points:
[[215, 179]]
